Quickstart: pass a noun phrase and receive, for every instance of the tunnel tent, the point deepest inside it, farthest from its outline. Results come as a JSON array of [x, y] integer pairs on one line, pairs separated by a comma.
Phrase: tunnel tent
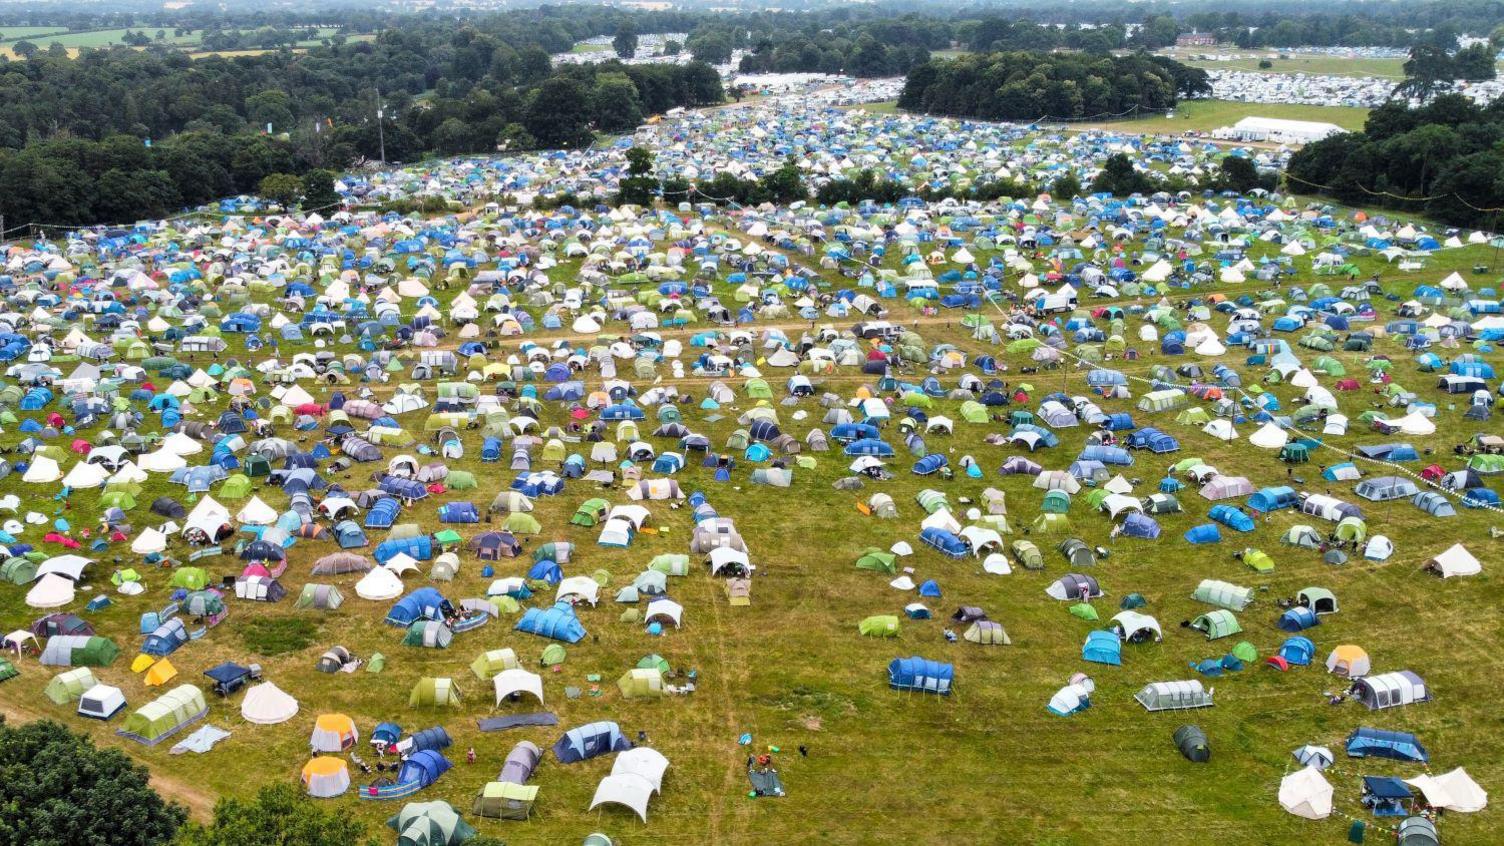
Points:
[[590, 741], [921, 675], [434, 692], [987, 633], [165, 716], [1174, 695], [1217, 624], [434, 823], [1391, 690], [879, 625], [69, 685], [1223, 594], [1192, 743]]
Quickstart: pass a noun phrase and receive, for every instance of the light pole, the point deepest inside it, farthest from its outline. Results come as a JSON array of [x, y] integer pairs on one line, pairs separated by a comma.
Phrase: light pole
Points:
[[381, 127]]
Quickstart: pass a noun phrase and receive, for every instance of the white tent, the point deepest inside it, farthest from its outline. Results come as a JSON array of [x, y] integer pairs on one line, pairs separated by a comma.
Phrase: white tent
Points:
[[161, 461], [1306, 793], [43, 470], [583, 587], [1455, 791], [650, 764], [257, 513], [379, 584], [1269, 436], [1455, 561], [149, 541], [101, 702], [512, 681], [86, 476], [50, 591], [664, 609], [627, 789], [1319, 757], [266, 704]]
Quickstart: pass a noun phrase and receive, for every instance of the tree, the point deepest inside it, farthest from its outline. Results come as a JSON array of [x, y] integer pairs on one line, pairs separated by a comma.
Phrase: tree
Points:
[[639, 188], [1475, 63], [625, 42], [614, 103], [57, 786], [1237, 173], [1066, 187], [24, 49], [713, 47], [318, 189], [784, 185], [559, 115], [1119, 177], [283, 189], [278, 815], [1428, 70], [672, 47]]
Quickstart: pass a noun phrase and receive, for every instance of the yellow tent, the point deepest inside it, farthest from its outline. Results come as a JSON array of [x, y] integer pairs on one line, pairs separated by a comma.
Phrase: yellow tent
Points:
[[161, 673], [142, 662]]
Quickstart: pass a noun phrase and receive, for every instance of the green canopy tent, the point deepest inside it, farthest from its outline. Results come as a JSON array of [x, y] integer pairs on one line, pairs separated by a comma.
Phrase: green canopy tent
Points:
[[431, 692], [430, 824]]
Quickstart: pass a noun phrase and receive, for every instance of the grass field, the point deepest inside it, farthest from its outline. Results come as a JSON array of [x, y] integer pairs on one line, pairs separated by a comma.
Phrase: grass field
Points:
[[587, 47], [1206, 115], [884, 767], [1201, 115], [1307, 63], [22, 33], [94, 39]]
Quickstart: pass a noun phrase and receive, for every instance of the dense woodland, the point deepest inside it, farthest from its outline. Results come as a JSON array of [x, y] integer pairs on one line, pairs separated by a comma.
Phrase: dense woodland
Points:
[[1447, 154], [1049, 86]]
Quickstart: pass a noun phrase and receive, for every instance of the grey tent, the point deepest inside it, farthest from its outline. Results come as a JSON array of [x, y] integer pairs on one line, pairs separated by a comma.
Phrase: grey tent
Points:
[[1174, 695], [321, 597], [1418, 831], [1191, 741]]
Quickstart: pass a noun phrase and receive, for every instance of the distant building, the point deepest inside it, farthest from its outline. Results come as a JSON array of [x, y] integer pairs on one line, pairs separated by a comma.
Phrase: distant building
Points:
[[1277, 130], [1196, 39]]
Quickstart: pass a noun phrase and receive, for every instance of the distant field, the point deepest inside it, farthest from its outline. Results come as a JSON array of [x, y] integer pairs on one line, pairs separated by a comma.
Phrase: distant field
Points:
[[21, 33], [582, 47], [1204, 115], [45, 37], [1307, 64]]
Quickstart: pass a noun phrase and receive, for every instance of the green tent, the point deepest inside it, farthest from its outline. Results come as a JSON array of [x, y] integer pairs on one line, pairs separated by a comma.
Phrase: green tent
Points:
[[1046, 523], [654, 662], [879, 625], [503, 800], [489, 663], [522, 523], [68, 686], [1245, 652], [8, 670], [639, 683], [165, 715], [430, 824], [876, 559], [671, 564], [1217, 624], [554, 653], [1259, 560], [432, 692], [1351, 529], [237, 486], [590, 512], [18, 571], [1055, 502], [1085, 611], [460, 480], [376, 663], [190, 578]]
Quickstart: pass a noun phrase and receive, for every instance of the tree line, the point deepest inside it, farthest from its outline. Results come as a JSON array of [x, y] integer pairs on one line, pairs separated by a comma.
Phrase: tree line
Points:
[[1445, 154], [1025, 86]]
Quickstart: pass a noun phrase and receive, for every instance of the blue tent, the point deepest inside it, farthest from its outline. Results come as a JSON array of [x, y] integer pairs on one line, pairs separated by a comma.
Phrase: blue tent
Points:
[[930, 588], [945, 542], [383, 514], [930, 464], [1106, 455], [1204, 533], [920, 674], [589, 741], [546, 571], [458, 512], [1298, 619], [430, 738], [1272, 499], [1298, 651], [558, 622], [423, 768], [166, 639], [1376, 743], [1231, 517], [419, 548], [349, 535], [386, 733], [1103, 647], [870, 446], [425, 603], [1137, 525]]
